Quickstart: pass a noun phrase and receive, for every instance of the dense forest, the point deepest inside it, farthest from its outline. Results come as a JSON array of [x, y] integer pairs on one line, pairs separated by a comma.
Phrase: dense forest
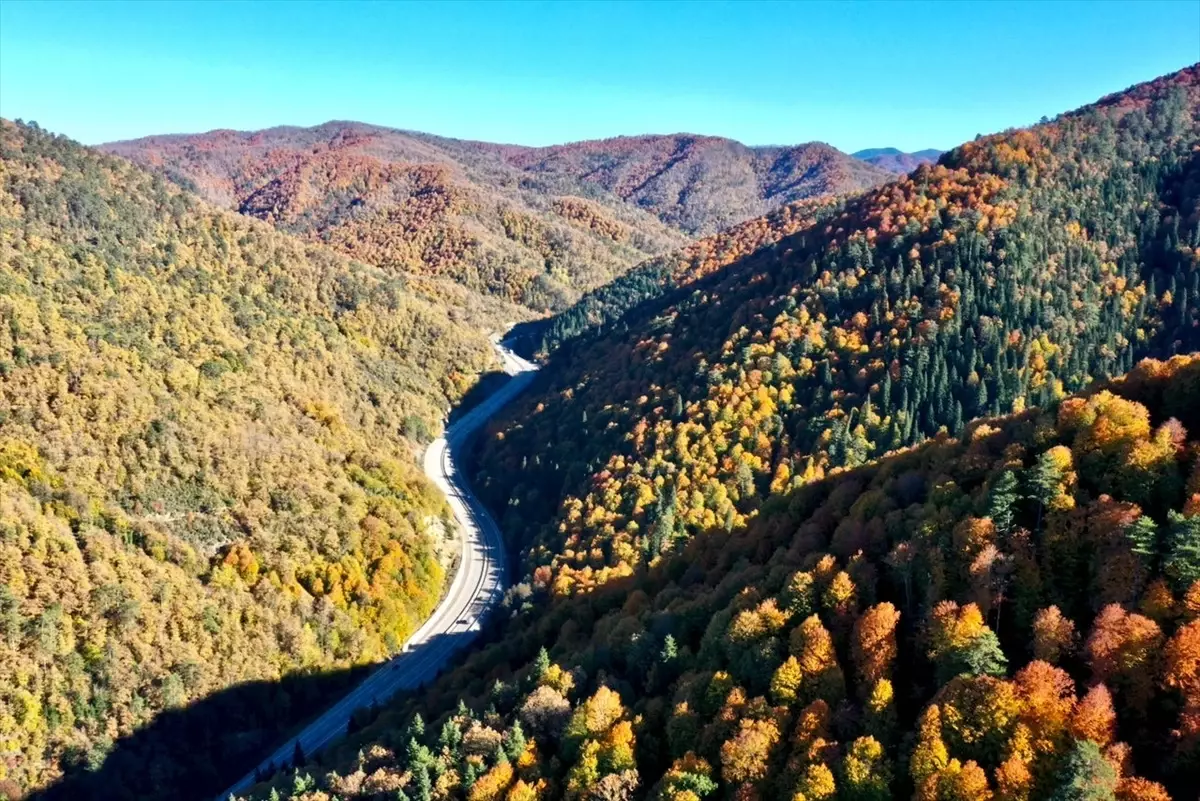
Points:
[[1024, 266], [534, 226], [699, 184], [768, 555], [418, 205], [207, 473], [649, 282], [1010, 614]]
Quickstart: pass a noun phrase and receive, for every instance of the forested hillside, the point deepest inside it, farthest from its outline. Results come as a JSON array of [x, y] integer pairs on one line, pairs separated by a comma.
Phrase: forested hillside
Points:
[[416, 204], [536, 226], [768, 556], [207, 473], [649, 282], [1013, 614], [700, 184], [1023, 267]]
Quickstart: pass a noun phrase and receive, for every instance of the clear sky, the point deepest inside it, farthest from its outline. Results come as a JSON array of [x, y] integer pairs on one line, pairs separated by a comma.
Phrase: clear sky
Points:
[[856, 75]]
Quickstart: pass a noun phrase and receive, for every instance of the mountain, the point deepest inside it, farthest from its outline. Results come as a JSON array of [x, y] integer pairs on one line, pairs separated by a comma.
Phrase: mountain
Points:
[[985, 617], [649, 281], [700, 184], [416, 204], [766, 554], [536, 226], [895, 161], [208, 483]]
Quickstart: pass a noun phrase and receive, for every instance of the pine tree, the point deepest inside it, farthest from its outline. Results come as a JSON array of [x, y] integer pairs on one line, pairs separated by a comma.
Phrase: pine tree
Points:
[[514, 740], [423, 787], [1183, 550], [1086, 775], [416, 728], [540, 664], [1142, 535], [669, 650], [1045, 479], [1001, 500], [450, 737]]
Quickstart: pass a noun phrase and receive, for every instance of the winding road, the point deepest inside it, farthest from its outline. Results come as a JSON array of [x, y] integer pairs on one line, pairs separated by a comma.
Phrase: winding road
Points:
[[477, 585]]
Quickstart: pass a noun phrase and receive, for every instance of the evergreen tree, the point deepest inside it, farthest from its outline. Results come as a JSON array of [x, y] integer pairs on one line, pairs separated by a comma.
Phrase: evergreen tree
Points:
[[416, 728], [422, 786], [1142, 535], [540, 664], [1044, 478], [1001, 500], [1183, 550], [670, 651], [450, 737], [1086, 775], [514, 740]]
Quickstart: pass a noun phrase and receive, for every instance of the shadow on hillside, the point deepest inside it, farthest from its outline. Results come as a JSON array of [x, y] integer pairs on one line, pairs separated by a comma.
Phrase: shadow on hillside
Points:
[[487, 385], [525, 339], [198, 751]]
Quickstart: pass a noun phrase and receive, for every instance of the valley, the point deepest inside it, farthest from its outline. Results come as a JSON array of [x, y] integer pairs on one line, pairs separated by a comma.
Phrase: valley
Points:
[[356, 462]]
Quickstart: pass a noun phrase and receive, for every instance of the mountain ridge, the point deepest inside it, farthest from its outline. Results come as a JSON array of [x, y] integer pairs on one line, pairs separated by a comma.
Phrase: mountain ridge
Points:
[[536, 226]]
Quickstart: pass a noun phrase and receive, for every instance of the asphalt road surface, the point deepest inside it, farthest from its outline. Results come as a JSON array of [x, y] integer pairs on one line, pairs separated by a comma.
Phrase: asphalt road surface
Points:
[[477, 585]]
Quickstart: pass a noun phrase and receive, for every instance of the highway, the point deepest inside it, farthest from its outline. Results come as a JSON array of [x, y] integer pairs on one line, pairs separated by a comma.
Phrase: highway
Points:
[[478, 583]]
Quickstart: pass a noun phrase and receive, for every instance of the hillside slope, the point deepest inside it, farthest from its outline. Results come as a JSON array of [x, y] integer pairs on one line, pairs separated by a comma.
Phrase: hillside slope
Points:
[[701, 184], [1024, 267], [536, 226], [768, 556], [988, 618], [207, 473], [416, 204]]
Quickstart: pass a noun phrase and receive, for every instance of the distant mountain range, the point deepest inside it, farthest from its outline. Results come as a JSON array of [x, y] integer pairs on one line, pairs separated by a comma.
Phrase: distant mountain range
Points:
[[535, 226], [897, 161], [701, 184]]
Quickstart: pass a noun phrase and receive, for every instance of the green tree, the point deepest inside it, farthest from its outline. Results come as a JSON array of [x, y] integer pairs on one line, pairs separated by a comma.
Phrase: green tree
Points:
[[514, 740], [1001, 501], [1183, 549], [1086, 775], [1044, 479]]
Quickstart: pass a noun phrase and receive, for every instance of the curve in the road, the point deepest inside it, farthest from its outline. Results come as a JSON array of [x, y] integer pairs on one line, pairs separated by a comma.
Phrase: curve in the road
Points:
[[476, 586]]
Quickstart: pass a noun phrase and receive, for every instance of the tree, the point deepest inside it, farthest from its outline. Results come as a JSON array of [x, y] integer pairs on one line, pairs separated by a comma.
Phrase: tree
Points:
[[1047, 696], [866, 774], [1001, 501], [1183, 550], [450, 737], [930, 755], [1094, 717], [1048, 480], [514, 740], [812, 645], [1142, 535], [874, 644], [1086, 775], [1123, 650], [744, 756], [880, 712], [422, 786], [786, 681], [1053, 635], [416, 728], [961, 643]]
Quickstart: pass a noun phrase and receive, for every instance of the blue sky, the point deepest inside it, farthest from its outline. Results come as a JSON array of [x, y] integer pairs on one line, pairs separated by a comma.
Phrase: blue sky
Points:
[[856, 75]]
